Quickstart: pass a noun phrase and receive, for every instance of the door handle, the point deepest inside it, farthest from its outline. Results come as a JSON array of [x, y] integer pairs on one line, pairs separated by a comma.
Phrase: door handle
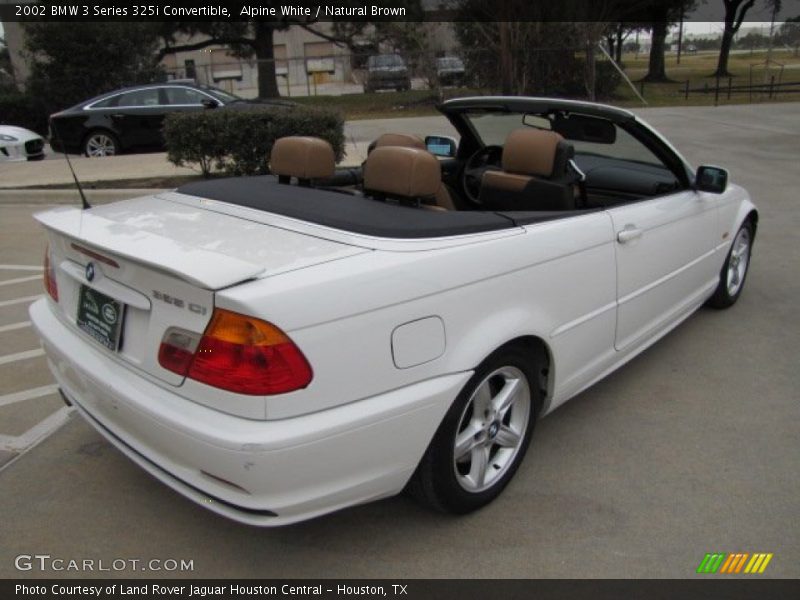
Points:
[[628, 234], [118, 116]]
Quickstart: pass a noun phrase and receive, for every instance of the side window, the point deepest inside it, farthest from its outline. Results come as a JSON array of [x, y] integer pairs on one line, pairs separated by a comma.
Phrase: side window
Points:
[[625, 147], [106, 102], [182, 95], [148, 97]]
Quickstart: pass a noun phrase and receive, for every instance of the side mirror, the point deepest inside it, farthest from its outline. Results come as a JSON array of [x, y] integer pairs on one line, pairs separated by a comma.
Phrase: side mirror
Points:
[[711, 179], [441, 145], [209, 103]]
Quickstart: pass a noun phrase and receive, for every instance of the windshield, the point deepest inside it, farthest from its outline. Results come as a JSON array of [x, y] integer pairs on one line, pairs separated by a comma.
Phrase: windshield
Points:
[[386, 60], [492, 128]]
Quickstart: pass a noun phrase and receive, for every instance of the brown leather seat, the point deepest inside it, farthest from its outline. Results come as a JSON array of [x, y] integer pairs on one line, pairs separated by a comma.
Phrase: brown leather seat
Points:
[[305, 158], [407, 140], [535, 176], [408, 175]]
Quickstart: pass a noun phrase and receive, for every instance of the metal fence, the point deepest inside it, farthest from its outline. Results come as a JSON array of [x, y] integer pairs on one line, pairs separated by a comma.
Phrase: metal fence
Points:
[[334, 74]]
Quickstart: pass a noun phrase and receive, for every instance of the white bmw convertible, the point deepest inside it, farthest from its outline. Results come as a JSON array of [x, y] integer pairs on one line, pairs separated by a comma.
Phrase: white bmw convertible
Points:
[[279, 347]]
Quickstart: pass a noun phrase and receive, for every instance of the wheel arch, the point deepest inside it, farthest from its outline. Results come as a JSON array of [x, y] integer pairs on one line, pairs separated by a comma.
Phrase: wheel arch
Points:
[[541, 360]]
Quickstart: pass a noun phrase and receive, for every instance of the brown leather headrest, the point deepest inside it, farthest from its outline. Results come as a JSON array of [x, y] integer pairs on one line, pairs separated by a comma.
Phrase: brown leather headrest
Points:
[[405, 140], [302, 157], [531, 152], [403, 172]]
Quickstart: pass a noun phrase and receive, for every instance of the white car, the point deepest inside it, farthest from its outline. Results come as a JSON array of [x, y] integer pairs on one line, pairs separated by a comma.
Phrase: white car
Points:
[[18, 144], [276, 350]]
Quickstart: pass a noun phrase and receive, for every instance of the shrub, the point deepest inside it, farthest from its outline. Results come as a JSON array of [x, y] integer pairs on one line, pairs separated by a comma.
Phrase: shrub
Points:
[[23, 111], [239, 141]]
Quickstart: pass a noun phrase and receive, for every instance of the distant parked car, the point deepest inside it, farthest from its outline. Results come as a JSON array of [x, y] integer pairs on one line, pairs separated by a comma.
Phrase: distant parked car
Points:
[[450, 70], [17, 144], [691, 49], [133, 117], [387, 71]]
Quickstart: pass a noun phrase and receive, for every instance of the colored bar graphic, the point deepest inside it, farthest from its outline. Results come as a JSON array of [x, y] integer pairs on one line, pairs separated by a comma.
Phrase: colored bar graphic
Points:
[[734, 562]]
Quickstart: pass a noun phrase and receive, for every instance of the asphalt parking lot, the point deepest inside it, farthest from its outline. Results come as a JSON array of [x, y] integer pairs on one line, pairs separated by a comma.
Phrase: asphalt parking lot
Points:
[[693, 447]]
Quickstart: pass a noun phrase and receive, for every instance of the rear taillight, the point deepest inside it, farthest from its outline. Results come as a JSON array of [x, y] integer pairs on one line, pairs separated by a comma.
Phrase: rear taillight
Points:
[[237, 353], [50, 276]]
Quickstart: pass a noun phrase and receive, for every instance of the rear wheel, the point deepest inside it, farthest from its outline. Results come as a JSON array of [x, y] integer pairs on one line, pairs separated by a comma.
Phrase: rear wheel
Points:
[[100, 143], [734, 271], [483, 438]]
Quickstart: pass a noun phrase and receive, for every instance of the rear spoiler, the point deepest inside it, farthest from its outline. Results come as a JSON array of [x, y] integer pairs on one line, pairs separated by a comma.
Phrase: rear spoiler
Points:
[[203, 268]]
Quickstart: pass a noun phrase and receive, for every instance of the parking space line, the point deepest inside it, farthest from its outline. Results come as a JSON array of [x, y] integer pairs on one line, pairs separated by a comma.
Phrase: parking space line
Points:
[[9, 358], [31, 394], [20, 300], [14, 326], [36, 433], [20, 280], [21, 268]]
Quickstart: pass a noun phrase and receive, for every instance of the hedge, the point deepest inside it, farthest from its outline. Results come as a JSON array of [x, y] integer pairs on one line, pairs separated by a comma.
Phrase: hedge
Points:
[[23, 111], [238, 141]]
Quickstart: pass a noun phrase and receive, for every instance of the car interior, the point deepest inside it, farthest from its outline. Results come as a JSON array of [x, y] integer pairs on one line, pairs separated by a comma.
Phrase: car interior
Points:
[[552, 163]]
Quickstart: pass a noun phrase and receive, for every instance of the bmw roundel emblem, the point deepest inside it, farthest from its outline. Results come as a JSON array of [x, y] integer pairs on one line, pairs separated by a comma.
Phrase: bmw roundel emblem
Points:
[[90, 272]]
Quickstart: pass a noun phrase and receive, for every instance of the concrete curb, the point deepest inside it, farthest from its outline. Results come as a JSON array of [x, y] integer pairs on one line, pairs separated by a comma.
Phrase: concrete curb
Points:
[[71, 196]]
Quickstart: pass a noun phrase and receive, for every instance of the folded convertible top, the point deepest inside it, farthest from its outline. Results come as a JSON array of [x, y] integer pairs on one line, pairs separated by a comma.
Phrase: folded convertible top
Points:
[[343, 211]]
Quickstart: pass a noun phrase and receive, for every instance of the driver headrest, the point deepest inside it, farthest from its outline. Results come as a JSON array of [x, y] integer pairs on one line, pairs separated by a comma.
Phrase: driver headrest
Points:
[[536, 152], [405, 140], [302, 157], [402, 172]]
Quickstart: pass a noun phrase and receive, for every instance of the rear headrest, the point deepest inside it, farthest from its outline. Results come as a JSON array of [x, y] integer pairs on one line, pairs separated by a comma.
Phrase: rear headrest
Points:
[[535, 152], [402, 172], [302, 157], [405, 140]]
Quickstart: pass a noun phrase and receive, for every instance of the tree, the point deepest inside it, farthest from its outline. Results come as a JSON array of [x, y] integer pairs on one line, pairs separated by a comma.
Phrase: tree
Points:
[[790, 33], [659, 14], [735, 10], [71, 62]]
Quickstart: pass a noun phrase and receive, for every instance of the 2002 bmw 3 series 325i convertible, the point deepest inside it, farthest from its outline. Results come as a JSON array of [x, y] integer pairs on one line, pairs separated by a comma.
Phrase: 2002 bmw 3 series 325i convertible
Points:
[[279, 347]]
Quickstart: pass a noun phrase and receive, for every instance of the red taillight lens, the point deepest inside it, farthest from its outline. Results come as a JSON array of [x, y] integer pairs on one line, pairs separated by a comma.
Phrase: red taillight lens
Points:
[[240, 354], [50, 276]]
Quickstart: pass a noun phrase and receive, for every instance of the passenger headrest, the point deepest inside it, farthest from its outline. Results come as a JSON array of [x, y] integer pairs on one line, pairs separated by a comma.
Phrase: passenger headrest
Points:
[[536, 152], [302, 157], [405, 140], [402, 172]]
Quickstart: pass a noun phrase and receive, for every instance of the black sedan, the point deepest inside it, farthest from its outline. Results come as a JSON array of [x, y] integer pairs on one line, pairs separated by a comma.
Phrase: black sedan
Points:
[[132, 117]]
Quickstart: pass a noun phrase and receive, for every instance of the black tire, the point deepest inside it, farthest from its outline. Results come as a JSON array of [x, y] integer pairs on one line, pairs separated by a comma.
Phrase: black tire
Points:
[[100, 142], [734, 271], [446, 483]]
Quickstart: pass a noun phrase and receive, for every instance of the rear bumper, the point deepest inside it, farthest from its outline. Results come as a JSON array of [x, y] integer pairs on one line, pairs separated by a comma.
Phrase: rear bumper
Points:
[[257, 472]]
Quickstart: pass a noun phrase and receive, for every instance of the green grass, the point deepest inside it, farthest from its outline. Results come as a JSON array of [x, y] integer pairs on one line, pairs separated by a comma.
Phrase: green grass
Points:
[[698, 68]]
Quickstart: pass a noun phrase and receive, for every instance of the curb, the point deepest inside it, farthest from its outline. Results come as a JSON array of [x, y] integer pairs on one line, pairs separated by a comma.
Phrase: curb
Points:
[[71, 196]]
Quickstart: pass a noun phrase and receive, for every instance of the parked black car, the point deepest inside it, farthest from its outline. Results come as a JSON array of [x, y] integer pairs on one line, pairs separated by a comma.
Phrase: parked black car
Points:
[[450, 70], [133, 117], [387, 71]]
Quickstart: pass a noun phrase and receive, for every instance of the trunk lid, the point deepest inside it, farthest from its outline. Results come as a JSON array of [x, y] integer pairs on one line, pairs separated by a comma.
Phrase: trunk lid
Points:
[[159, 263]]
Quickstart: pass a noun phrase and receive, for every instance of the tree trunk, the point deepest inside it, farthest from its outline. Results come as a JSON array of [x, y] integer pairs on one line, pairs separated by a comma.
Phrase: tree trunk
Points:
[[506, 76], [618, 47], [265, 54], [591, 72], [657, 70], [724, 51]]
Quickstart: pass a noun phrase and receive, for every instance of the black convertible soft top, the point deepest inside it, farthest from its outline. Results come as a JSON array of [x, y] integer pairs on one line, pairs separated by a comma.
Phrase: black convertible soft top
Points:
[[355, 213]]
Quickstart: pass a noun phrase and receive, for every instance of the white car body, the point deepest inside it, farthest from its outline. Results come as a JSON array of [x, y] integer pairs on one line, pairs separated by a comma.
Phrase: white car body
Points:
[[392, 328], [19, 144]]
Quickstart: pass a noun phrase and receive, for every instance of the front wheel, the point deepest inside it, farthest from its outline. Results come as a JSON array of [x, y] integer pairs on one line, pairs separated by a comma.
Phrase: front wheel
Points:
[[100, 143], [734, 271], [483, 438]]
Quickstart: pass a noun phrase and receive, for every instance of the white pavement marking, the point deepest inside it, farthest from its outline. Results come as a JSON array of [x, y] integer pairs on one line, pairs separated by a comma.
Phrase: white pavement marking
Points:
[[21, 268], [39, 392], [9, 358], [20, 300], [15, 326], [20, 280], [36, 433]]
